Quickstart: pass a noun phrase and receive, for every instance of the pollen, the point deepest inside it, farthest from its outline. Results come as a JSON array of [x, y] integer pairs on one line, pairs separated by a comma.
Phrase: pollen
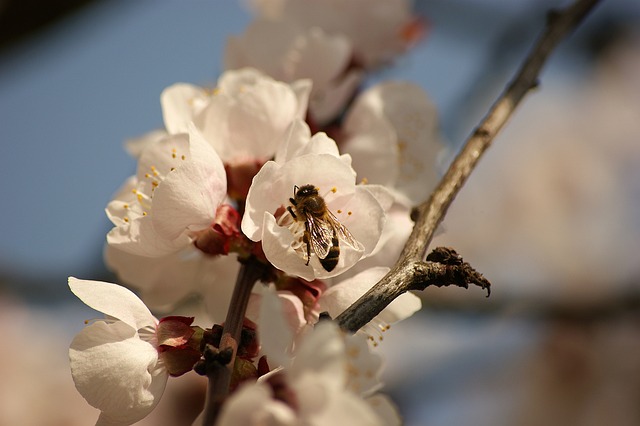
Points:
[[349, 213], [125, 206], [339, 211], [126, 219], [334, 189], [364, 181], [183, 157]]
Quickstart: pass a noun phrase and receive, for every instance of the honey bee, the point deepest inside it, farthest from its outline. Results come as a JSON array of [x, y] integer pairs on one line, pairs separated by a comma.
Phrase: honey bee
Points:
[[322, 230]]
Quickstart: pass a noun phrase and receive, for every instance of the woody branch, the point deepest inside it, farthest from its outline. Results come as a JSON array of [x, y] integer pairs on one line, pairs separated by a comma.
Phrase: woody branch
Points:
[[411, 272]]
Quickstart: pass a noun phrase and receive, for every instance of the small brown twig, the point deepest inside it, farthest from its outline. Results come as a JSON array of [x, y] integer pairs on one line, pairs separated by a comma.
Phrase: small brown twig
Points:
[[429, 214], [221, 360]]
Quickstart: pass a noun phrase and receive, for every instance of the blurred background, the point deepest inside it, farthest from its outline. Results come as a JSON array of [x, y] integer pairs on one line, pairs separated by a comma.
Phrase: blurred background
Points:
[[551, 216]]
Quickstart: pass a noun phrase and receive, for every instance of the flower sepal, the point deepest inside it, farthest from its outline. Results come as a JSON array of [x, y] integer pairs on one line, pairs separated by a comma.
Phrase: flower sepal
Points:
[[179, 344]]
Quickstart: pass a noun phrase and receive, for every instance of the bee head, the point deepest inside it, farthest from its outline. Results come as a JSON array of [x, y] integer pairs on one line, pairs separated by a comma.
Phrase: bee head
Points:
[[306, 191]]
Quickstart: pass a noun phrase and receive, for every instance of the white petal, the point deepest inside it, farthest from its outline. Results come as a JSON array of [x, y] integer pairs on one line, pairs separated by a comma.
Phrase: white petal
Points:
[[139, 237], [366, 220], [385, 409], [265, 194], [180, 102], [116, 372], [187, 199], [342, 295], [250, 123], [253, 405], [135, 146], [276, 336], [323, 352], [297, 136], [113, 300], [402, 307], [326, 103]]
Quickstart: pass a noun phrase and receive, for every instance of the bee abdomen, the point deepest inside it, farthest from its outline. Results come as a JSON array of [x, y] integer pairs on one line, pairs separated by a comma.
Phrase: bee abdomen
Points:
[[330, 262]]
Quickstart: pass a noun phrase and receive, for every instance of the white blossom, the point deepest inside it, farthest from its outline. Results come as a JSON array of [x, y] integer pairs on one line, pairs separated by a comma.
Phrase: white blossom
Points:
[[329, 381], [392, 135], [377, 29], [115, 362], [311, 161], [178, 186], [288, 51], [244, 117]]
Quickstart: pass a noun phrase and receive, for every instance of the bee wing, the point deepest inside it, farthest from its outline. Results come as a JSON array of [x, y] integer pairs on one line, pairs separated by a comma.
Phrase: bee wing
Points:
[[321, 236], [342, 232]]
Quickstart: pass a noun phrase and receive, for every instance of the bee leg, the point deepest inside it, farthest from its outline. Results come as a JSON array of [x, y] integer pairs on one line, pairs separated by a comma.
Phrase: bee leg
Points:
[[290, 210], [306, 240]]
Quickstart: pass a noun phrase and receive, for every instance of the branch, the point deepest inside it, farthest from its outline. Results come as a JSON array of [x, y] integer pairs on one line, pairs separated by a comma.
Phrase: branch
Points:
[[220, 361], [429, 214]]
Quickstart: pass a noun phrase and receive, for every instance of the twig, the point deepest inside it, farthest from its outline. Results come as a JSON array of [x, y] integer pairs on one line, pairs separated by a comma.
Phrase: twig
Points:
[[220, 361], [429, 214]]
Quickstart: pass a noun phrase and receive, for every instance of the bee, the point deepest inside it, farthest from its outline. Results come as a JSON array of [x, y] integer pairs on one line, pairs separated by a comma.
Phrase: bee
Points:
[[322, 230]]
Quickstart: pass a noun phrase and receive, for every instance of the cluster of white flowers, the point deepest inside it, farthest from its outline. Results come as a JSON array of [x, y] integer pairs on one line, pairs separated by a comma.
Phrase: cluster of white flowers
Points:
[[247, 170]]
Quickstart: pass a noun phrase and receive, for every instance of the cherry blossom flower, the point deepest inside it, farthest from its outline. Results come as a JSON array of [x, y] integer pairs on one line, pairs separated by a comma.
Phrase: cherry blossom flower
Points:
[[311, 161], [392, 135], [330, 380], [288, 51], [377, 29], [176, 191], [245, 116], [118, 363]]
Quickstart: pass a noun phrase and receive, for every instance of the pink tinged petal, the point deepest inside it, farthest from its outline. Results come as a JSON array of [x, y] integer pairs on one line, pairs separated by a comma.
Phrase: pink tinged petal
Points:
[[116, 372], [299, 142], [365, 366], [276, 244], [268, 106], [275, 334], [345, 408], [114, 301], [237, 80], [253, 404], [402, 307], [163, 157], [342, 295], [265, 194], [415, 120], [189, 196], [323, 352], [187, 200], [118, 209], [372, 140], [139, 237], [302, 90], [297, 136], [216, 279], [366, 220], [180, 102], [135, 146], [321, 57], [263, 45], [326, 103], [385, 409], [162, 281]]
